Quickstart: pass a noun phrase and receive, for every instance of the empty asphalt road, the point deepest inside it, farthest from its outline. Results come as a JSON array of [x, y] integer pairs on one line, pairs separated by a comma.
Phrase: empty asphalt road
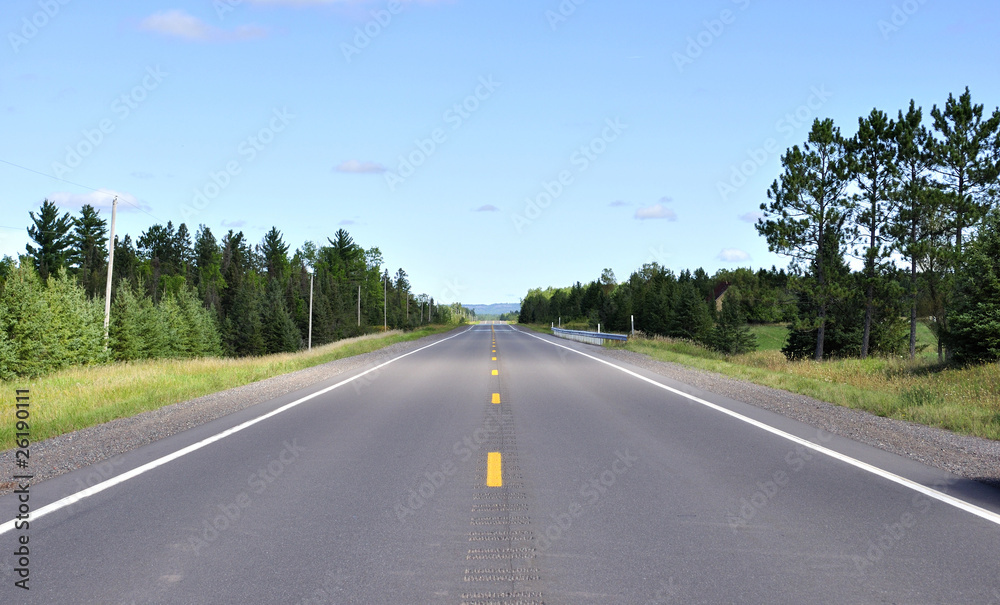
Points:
[[499, 466]]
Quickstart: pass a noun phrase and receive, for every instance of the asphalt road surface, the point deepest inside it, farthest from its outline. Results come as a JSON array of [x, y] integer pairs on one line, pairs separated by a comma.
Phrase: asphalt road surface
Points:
[[497, 466]]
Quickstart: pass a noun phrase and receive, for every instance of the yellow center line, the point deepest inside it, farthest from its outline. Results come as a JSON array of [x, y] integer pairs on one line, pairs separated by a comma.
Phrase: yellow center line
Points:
[[494, 359], [496, 397], [494, 478], [495, 373]]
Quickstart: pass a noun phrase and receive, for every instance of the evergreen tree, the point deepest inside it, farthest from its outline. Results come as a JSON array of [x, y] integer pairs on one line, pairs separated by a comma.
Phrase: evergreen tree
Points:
[[48, 327], [51, 234], [964, 159], [912, 227], [691, 318], [731, 335], [974, 322], [243, 333], [872, 157], [809, 210], [208, 269], [126, 268], [273, 252], [278, 331], [90, 250]]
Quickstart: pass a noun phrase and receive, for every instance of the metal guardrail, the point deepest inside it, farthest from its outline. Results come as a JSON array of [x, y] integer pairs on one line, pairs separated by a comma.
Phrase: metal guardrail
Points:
[[594, 338]]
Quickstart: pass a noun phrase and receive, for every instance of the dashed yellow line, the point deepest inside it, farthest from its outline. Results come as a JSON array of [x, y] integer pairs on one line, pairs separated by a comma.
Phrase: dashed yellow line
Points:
[[494, 359], [496, 398], [494, 478], [496, 373]]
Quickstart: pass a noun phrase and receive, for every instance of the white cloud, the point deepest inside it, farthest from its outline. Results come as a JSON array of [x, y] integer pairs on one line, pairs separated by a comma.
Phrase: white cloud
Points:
[[655, 211], [100, 200], [733, 255], [488, 208], [751, 217], [178, 24], [358, 167]]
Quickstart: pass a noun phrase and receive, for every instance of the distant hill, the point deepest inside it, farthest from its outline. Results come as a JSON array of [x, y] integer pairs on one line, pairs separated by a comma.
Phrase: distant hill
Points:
[[494, 308]]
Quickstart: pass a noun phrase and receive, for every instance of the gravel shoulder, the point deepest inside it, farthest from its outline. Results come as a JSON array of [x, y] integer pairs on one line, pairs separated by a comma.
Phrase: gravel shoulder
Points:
[[969, 457]]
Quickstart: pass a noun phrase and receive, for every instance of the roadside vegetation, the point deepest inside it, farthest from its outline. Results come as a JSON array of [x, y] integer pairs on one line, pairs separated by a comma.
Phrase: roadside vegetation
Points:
[[78, 397], [892, 292]]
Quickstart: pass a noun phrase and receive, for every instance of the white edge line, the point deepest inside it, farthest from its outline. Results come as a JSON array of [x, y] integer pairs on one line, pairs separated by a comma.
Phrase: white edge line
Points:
[[100, 487], [917, 487]]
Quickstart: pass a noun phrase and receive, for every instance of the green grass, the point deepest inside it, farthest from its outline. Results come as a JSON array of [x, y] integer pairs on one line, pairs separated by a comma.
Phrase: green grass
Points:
[[80, 397], [963, 400], [770, 337]]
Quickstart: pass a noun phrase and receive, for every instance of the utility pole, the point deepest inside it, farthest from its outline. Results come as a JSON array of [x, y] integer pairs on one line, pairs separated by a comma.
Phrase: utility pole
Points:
[[359, 305], [311, 270], [385, 311], [111, 266]]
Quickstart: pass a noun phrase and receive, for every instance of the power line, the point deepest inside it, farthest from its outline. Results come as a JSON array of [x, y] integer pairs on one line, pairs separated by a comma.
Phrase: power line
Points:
[[136, 206]]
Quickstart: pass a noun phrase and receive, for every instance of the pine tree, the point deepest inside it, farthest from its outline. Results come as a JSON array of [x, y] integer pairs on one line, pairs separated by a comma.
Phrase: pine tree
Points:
[[274, 255], [731, 335], [279, 331], [51, 233], [965, 160], [208, 269], [912, 227], [691, 318], [90, 250], [48, 327], [126, 331], [126, 268], [974, 321], [808, 210], [872, 158]]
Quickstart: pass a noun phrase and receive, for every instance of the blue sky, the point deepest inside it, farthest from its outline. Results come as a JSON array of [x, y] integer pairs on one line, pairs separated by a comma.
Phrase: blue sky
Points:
[[486, 147]]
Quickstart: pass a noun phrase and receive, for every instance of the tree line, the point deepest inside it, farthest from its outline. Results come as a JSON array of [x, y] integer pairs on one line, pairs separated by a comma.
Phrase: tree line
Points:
[[175, 294], [914, 203]]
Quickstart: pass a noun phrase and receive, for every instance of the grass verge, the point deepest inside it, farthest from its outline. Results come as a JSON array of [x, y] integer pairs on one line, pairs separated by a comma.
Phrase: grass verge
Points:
[[77, 398], [964, 400]]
